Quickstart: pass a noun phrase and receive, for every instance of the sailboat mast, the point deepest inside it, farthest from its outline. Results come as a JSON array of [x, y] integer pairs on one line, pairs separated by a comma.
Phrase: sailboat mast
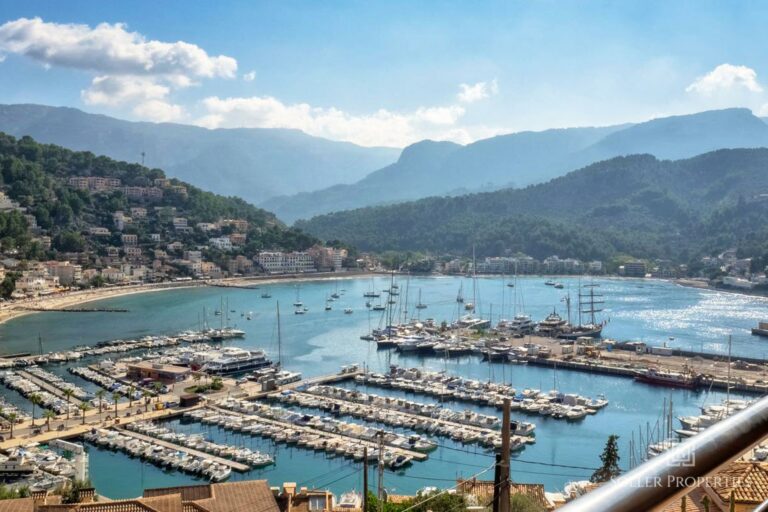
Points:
[[279, 339], [221, 313], [728, 384], [474, 281]]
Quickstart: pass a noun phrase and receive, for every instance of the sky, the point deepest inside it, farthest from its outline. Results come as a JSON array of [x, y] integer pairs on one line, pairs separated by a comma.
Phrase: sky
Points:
[[386, 73]]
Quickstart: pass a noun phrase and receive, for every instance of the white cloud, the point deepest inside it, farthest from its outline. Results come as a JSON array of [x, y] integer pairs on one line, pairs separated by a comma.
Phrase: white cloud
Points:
[[131, 70], [159, 111], [476, 92], [726, 77], [380, 128], [118, 90], [249, 76], [109, 49]]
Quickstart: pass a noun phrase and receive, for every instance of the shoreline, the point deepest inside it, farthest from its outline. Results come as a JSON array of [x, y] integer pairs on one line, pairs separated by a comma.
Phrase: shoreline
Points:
[[12, 310]]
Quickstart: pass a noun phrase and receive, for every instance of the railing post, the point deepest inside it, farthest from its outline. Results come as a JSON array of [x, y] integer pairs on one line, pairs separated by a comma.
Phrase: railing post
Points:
[[682, 468]]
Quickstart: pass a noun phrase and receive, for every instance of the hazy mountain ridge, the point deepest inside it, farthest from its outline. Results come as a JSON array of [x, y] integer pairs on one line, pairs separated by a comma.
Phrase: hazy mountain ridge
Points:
[[526, 158], [252, 163], [636, 204]]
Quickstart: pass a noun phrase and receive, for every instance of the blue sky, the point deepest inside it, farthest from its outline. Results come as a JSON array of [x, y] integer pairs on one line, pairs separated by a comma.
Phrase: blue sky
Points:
[[386, 73]]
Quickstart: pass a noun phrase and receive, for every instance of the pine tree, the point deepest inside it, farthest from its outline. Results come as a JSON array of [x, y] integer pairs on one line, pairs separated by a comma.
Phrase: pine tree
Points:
[[610, 459]]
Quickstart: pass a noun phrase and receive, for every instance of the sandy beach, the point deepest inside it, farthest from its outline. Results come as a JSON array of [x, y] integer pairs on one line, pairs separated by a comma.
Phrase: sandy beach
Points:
[[14, 309]]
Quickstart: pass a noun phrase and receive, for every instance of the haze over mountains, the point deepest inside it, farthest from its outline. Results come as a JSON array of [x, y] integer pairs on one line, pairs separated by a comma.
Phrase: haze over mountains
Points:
[[254, 164], [520, 159], [636, 205], [311, 176]]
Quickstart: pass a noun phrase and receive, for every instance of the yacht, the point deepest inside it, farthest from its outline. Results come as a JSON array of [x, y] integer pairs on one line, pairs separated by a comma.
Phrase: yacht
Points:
[[521, 324], [552, 325], [350, 500], [549, 282], [226, 333], [236, 360]]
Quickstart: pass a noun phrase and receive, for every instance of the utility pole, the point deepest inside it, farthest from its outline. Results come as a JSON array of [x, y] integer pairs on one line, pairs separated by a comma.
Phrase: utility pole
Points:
[[365, 479], [496, 482], [381, 472], [505, 501]]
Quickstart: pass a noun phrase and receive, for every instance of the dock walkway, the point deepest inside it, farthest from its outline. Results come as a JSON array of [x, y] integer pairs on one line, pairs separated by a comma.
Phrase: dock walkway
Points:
[[372, 445], [237, 466], [48, 387], [483, 431]]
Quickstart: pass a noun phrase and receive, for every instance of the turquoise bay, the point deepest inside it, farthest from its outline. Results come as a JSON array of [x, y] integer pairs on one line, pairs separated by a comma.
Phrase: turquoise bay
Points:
[[319, 342]]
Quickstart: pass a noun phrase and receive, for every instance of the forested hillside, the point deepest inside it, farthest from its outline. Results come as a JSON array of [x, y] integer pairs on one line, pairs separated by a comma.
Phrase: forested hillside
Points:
[[36, 177], [637, 205]]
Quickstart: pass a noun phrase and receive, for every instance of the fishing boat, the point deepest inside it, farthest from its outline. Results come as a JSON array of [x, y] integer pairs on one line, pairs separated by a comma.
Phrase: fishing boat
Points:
[[379, 307], [686, 379], [348, 311], [559, 286], [266, 295], [761, 329], [549, 282]]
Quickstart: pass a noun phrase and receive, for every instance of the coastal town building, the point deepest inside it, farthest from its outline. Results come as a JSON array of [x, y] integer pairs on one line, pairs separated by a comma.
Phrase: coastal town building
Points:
[[327, 258], [94, 183], [633, 269], [67, 273], [276, 262], [222, 243], [129, 240]]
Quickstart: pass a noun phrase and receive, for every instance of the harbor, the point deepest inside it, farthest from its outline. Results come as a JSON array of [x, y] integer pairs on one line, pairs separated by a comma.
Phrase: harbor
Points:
[[318, 344]]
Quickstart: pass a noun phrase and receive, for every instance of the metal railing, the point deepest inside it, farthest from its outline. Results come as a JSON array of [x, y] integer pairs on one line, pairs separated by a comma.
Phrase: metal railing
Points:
[[680, 469]]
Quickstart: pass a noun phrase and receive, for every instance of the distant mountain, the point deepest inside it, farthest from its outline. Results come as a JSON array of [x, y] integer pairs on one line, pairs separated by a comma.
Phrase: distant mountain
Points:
[[637, 204], [254, 164], [526, 158]]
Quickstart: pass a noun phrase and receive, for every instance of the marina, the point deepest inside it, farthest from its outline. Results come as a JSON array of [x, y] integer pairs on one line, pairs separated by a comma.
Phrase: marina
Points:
[[318, 343]]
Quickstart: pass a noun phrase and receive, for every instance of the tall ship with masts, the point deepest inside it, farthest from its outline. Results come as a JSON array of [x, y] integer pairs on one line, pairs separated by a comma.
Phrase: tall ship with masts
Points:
[[590, 302]]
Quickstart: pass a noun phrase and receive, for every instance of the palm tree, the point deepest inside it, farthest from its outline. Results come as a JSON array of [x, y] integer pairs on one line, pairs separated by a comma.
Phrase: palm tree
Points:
[[36, 400], [48, 415], [12, 420], [100, 395], [68, 394], [131, 391], [84, 407], [158, 387], [116, 399]]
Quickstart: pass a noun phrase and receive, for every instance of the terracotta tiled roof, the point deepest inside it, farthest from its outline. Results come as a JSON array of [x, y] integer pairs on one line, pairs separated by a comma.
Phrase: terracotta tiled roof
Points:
[[483, 491], [17, 505], [188, 492], [748, 481], [692, 502], [246, 496]]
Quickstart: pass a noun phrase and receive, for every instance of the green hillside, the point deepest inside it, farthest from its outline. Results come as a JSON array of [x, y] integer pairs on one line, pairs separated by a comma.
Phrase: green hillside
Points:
[[36, 176], [637, 205]]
